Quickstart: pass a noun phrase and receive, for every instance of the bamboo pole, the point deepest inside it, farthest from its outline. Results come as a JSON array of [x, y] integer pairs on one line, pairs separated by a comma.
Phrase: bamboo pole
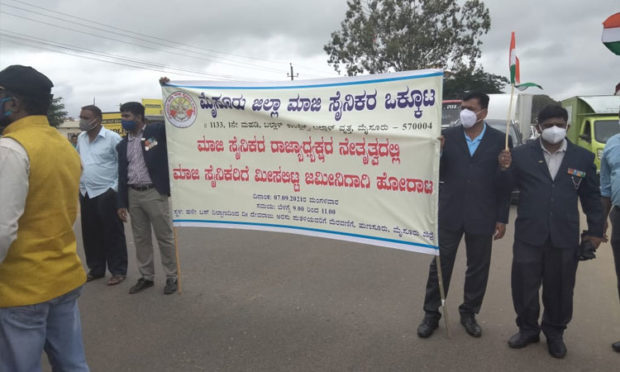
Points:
[[442, 294], [176, 252], [512, 92]]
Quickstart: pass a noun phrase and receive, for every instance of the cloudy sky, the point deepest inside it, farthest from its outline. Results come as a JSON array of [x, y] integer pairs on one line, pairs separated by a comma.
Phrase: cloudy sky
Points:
[[87, 47]]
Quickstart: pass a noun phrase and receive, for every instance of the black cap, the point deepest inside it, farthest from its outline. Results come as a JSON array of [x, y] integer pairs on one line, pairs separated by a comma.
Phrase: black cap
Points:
[[25, 80]]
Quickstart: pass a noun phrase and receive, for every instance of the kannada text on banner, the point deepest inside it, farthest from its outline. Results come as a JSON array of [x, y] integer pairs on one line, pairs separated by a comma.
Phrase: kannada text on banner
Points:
[[352, 158]]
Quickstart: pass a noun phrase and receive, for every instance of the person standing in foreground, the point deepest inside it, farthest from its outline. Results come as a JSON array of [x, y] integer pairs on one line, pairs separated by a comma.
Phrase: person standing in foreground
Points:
[[41, 276], [144, 188], [610, 195], [472, 202], [103, 233], [551, 174]]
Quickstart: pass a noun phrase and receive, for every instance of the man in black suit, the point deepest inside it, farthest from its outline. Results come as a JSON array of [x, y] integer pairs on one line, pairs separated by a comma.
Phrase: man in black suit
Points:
[[551, 174], [143, 190], [473, 202]]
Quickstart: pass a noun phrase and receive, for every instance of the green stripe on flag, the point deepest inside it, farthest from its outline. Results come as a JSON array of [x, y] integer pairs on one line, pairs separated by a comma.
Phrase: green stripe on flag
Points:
[[524, 86], [614, 47], [512, 73]]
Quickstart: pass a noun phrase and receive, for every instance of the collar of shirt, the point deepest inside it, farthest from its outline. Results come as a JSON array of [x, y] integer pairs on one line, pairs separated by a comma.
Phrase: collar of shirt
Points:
[[139, 135], [478, 138], [560, 150], [472, 144], [102, 134]]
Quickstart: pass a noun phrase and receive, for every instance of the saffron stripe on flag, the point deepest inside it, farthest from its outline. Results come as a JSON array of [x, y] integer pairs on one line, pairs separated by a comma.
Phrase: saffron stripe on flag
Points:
[[613, 21]]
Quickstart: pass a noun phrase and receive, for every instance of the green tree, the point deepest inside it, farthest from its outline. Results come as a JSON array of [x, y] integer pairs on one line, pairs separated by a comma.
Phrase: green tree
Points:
[[56, 113], [455, 84], [397, 35]]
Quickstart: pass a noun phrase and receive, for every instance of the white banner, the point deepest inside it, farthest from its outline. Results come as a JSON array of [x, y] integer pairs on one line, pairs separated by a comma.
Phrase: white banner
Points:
[[354, 158]]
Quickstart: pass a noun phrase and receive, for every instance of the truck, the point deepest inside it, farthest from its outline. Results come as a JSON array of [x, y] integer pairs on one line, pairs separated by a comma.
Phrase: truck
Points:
[[593, 120]]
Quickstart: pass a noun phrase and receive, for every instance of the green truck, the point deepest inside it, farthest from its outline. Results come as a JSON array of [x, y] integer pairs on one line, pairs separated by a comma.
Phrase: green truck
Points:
[[593, 120]]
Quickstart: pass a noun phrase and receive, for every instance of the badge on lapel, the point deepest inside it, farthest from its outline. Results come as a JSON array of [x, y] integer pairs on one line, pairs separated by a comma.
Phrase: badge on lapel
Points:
[[576, 176], [149, 143]]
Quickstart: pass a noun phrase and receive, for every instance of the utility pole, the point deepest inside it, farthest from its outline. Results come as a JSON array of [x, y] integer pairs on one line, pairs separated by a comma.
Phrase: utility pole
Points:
[[291, 75]]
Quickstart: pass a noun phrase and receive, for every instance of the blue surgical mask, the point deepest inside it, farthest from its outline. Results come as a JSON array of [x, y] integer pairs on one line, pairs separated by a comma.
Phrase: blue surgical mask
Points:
[[4, 115], [129, 125]]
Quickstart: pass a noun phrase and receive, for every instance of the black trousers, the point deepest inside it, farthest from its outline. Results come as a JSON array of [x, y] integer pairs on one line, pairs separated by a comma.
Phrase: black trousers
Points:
[[478, 249], [615, 241], [552, 267], [103, 234]]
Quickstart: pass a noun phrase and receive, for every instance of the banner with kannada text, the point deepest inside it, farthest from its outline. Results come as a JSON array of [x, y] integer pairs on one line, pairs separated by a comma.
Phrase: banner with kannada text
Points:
[[353, 158]]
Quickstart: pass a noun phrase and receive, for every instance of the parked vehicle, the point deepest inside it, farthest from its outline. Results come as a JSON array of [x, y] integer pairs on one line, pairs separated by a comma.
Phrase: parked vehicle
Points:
[[450, 110], [593, 120], [515, 133], [517, 140]]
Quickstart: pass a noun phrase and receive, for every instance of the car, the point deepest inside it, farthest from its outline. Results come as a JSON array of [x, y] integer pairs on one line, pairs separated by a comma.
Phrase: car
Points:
[[515, 133], [450, 110]]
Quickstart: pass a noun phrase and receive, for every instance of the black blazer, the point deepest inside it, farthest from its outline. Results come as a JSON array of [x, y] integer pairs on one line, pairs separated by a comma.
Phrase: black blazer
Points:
[[156, 159], [472, 190], [548, 208]]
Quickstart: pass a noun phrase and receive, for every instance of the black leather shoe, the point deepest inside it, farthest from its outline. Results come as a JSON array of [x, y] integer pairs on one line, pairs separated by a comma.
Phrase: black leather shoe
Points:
[[616, 346], [520, 340], [141, 285], [471, 326], [557, 348], [90, 277], [171, 286], [427, 327]]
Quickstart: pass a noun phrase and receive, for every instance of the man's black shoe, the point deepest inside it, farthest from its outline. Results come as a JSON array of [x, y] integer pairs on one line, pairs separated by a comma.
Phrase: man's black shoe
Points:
[[557, 348], [471, 326], [520, 340], [171, 286], [616, 346], [427, 327], [90, 277], [141, 285]]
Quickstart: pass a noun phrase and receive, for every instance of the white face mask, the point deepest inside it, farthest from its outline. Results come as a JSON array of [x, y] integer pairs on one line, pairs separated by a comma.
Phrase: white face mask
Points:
[[554, 134], [468, 118]]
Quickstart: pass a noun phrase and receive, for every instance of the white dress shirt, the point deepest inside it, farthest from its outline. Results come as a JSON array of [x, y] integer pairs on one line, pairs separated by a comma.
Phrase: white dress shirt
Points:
[[554, 160], [14, 173]]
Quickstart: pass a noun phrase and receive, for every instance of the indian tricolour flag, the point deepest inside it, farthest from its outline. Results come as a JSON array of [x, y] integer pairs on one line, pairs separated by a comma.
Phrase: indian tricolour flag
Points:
[[611, 33], [515, 78]]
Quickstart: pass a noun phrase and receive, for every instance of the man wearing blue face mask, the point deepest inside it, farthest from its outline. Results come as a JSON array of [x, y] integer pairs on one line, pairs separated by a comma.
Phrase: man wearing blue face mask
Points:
[[472, 203], [144, 189], [551, 174]]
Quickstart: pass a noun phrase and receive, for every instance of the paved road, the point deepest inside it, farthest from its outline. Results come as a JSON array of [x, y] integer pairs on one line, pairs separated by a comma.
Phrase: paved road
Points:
[[259, 301]]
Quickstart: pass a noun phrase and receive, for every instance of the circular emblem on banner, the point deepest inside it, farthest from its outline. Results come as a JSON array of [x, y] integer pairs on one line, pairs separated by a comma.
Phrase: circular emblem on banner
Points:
[[180, 109]]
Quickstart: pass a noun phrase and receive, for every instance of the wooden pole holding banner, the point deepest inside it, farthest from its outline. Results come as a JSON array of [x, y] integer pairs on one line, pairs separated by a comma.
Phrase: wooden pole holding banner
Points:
[[512, 92], [176, 252], [442, 294]]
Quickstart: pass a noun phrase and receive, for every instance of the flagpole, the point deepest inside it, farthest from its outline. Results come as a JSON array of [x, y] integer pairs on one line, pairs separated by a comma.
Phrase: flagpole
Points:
[[442, 294], [512, 92]]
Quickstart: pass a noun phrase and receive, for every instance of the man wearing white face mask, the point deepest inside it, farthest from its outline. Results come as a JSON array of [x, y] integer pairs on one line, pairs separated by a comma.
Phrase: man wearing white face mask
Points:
[[472, 203], [552, 174], [103, 233]]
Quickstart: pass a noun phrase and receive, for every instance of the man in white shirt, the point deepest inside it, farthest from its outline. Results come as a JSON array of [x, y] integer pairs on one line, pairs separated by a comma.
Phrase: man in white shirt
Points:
[[103, 233]]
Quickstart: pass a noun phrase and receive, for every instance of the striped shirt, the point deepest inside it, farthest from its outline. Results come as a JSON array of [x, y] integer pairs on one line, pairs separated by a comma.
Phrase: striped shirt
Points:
[[137, 172]]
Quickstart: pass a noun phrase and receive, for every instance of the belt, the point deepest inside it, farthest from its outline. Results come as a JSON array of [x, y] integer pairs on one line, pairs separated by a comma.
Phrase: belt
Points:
[[142, 187]]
